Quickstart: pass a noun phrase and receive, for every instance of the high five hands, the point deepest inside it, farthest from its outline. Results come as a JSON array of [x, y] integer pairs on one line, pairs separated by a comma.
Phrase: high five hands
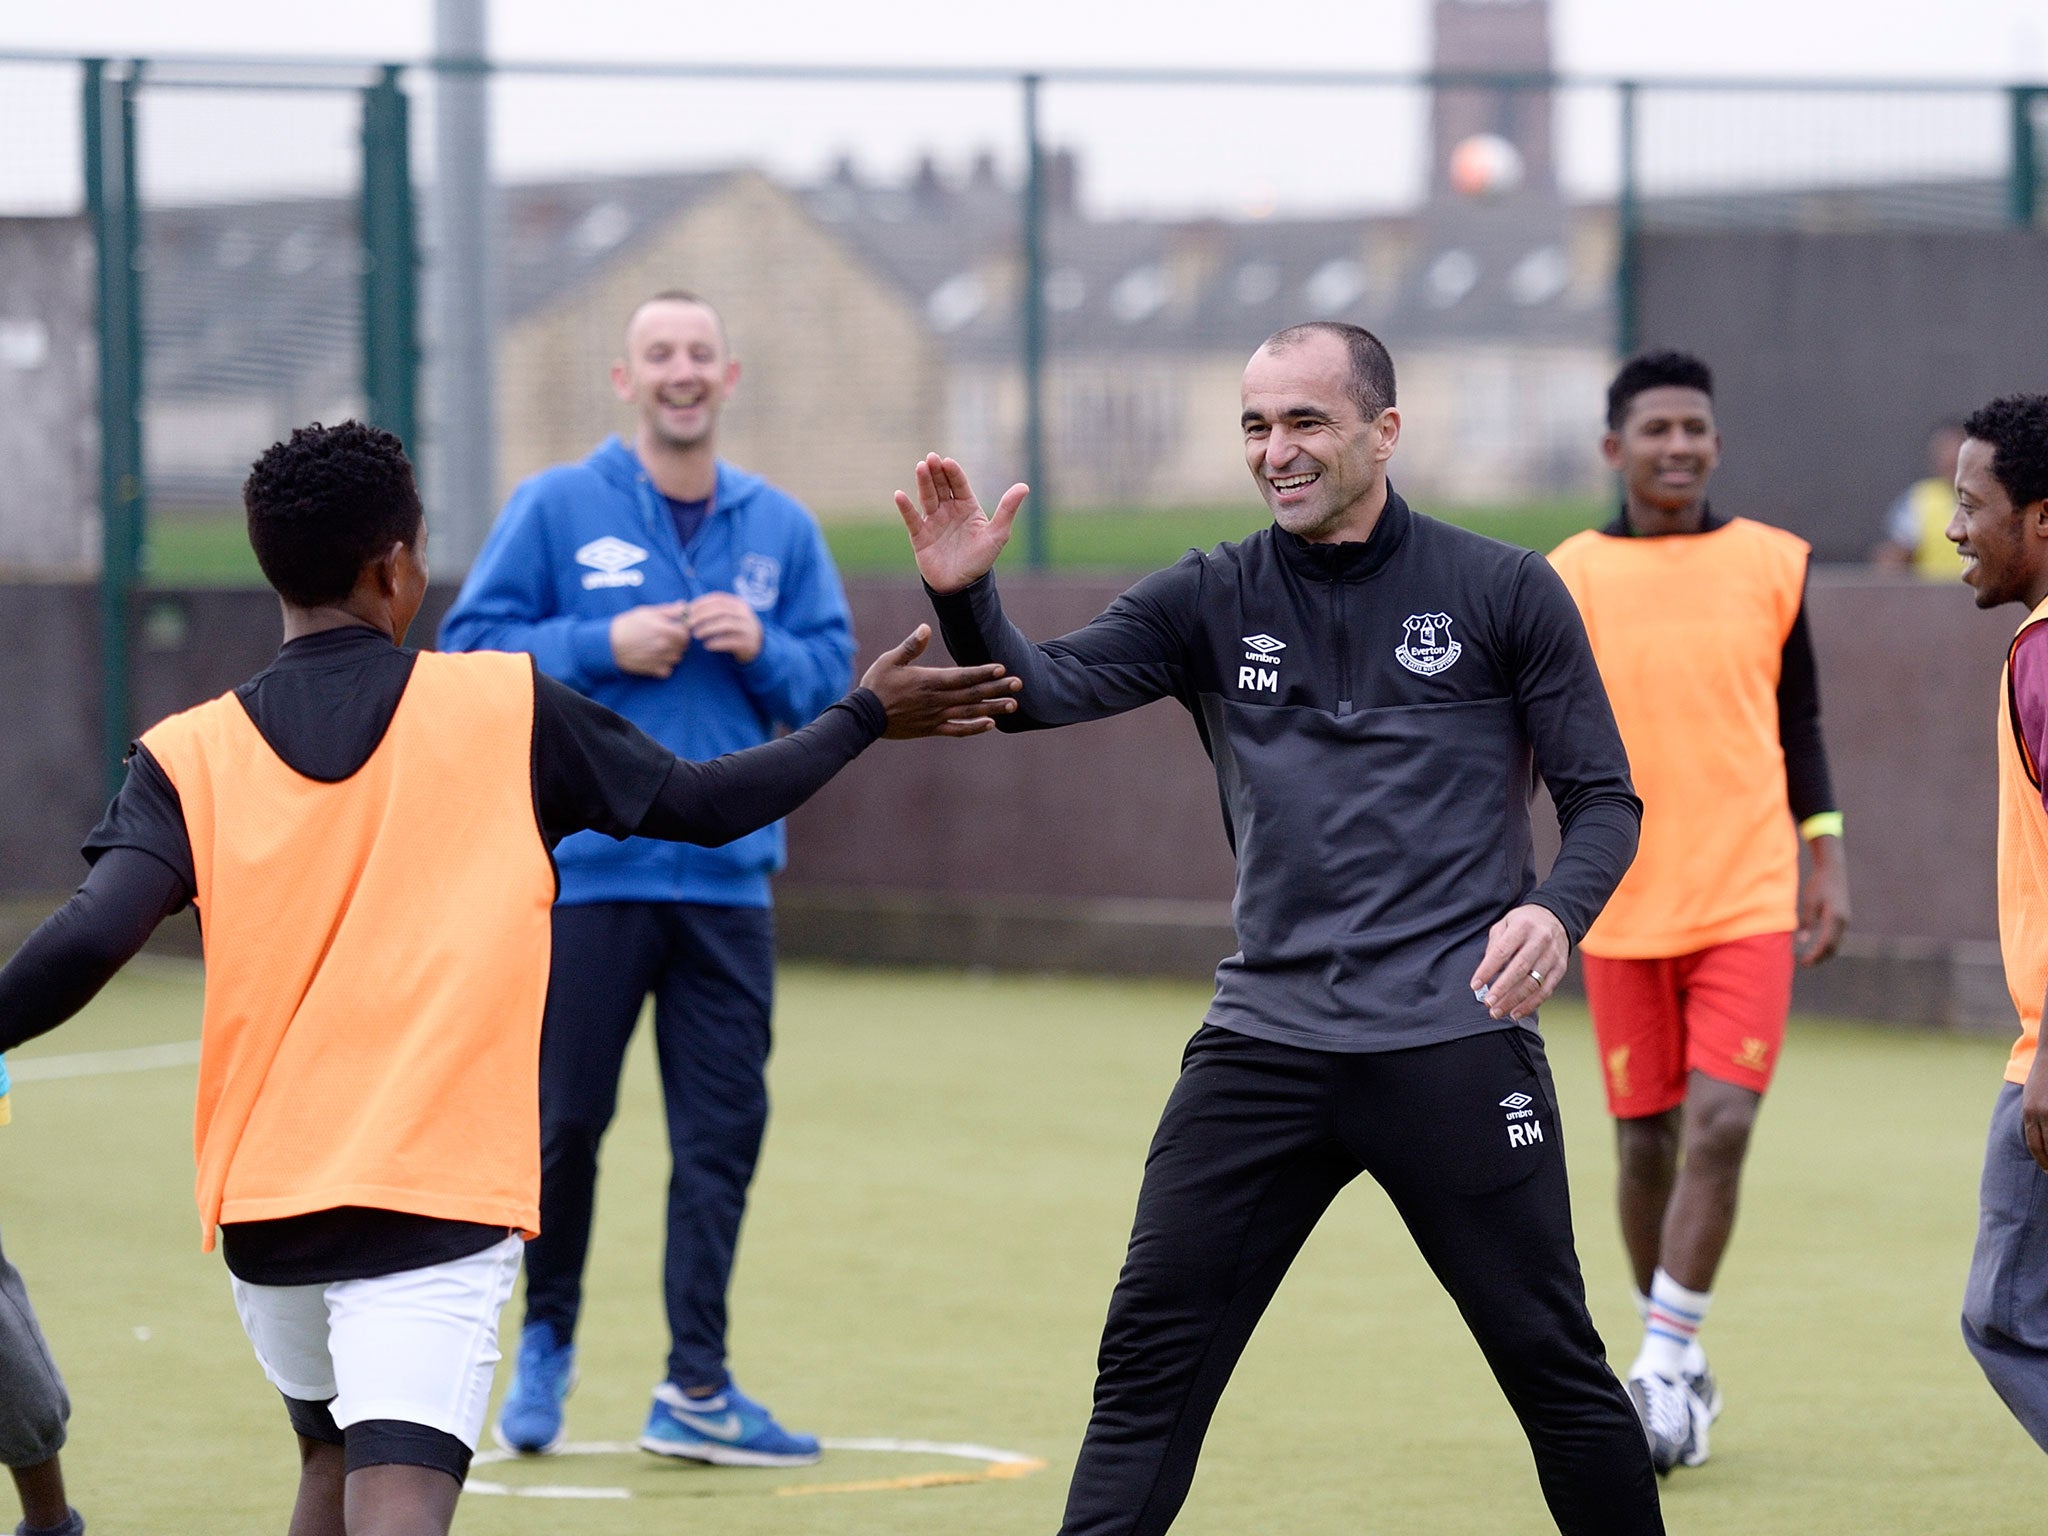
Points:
[[937, 701], [955, 542]]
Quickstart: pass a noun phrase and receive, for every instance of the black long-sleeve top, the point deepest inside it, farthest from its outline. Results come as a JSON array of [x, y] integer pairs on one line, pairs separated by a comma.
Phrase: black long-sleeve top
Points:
[[1374, 712], [323, 706]]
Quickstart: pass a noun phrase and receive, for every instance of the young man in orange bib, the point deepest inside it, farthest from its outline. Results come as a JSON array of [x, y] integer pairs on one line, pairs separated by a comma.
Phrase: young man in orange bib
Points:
[[366, 832], [1698, 622], [2001, 528]]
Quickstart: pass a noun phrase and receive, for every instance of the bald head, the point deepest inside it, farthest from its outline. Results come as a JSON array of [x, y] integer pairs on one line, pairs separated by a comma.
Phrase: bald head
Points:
[[682, 297]]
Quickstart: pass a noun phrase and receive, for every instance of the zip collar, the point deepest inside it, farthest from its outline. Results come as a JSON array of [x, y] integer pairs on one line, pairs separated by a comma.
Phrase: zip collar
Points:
[[1348, 561]]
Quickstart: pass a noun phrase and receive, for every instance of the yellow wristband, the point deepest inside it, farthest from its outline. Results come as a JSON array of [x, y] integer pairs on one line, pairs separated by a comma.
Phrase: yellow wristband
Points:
[[1823, 824]]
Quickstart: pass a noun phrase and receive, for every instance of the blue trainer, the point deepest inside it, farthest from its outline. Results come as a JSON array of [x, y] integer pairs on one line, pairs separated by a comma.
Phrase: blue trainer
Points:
[[729, 1428], [530, 1418]]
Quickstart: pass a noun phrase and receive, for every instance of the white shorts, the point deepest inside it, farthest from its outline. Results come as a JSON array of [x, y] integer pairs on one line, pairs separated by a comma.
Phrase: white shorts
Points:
[[419, 1345]]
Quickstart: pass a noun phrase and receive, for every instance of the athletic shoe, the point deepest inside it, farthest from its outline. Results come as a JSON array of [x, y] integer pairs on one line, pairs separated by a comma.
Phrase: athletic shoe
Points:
[[728, 1428], [530, 1419], [1674, 1421], [1699, 1380], [74, 1525]]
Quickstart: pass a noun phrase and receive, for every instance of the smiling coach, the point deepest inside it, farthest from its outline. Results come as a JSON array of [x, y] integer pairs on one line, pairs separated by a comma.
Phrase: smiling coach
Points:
[[1376, 690], [699, 602]]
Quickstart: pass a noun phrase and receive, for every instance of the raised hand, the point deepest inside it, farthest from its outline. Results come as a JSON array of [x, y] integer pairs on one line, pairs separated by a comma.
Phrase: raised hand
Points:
[[937, 701], [955, 542]]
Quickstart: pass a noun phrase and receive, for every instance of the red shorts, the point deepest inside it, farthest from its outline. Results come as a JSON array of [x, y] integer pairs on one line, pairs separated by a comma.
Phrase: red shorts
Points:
[[1719, 1010]]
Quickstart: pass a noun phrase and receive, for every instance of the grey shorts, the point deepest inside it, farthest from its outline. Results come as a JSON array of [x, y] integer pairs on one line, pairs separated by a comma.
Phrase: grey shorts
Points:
[[33, 1405]]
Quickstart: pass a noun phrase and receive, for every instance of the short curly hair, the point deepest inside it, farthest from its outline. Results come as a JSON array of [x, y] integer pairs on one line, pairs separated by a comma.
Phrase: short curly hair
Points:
[[2016, 427], [1654, 370], [325, 502]]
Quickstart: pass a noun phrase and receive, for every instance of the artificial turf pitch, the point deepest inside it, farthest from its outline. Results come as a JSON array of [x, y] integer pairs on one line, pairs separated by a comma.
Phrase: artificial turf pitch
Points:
[[938, 1220]]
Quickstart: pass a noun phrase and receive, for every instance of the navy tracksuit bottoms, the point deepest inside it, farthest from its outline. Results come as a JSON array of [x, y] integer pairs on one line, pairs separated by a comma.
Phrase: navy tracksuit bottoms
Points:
[[711, 971], [1257, 1139]]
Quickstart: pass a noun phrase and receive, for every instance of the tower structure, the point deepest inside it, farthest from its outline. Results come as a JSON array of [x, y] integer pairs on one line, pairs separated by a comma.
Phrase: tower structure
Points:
[[1498, 37]]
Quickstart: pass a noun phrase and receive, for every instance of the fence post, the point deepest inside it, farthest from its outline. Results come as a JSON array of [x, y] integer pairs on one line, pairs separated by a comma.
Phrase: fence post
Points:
[[2023, 176], [1038, 510], [112, 203], [463, 374], [1628, 230], [390, 264]]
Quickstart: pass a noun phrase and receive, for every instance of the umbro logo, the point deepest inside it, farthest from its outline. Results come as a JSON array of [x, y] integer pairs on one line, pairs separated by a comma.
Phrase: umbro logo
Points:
[[610, 560], [1263, 675], [1524, 1129]]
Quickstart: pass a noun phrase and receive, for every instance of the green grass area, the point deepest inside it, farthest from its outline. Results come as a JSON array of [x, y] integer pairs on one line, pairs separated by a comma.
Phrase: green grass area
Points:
[[201, 549], [210, 549], [937, 1224]]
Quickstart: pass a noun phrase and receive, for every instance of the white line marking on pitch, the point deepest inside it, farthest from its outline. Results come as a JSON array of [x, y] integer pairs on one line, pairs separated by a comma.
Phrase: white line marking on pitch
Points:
[[139, 1058], [496, 1456], [933, 1448]]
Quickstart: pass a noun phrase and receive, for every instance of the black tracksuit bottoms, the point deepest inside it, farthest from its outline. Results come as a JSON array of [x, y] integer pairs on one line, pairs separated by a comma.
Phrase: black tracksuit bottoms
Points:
[[1256, 1141]]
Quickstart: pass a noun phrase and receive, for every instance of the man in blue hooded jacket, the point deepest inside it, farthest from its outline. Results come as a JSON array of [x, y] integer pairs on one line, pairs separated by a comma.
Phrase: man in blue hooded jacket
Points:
[[699, 602]]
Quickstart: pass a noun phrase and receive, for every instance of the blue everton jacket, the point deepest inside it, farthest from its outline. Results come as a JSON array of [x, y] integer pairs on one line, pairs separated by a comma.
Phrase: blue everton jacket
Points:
[[581, 543]]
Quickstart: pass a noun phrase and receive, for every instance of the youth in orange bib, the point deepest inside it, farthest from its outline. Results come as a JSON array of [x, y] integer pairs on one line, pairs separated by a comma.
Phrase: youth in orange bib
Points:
[[366, 833], [1698, 623]]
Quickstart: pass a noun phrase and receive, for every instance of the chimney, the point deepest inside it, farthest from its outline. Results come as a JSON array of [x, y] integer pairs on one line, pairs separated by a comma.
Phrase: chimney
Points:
[[1062, 182], [927, 191]]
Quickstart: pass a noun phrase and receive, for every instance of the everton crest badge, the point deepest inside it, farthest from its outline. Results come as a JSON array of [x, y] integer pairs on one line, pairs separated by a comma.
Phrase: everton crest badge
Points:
[[1427, 647]]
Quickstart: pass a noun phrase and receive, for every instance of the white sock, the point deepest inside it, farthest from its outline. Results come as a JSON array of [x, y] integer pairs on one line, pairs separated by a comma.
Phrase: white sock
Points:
[[1695, 1357], [1671, 1329]]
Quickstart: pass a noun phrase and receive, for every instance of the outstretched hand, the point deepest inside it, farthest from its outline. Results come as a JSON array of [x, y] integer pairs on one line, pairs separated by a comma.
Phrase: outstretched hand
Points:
[[955, 542], [937, 701]]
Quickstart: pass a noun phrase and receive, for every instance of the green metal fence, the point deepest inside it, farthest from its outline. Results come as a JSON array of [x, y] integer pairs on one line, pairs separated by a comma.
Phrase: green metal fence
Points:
[[1089, 322]]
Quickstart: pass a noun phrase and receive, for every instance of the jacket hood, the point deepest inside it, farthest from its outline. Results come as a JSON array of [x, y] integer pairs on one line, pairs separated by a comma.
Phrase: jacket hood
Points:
[[618, 465]]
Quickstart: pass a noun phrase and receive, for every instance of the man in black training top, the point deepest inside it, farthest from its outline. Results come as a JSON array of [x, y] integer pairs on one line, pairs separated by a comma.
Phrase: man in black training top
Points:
[[366, 831], [1370, 685]]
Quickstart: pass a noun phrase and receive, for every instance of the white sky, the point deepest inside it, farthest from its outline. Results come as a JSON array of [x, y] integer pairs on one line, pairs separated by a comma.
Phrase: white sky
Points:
[[1227, 150]]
